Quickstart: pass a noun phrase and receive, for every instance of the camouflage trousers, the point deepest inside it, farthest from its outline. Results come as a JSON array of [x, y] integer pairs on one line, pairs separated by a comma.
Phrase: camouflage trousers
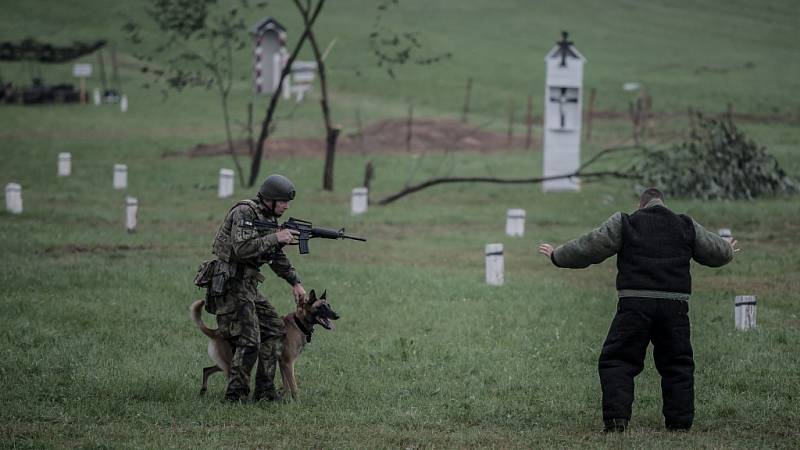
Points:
[[257, 332]]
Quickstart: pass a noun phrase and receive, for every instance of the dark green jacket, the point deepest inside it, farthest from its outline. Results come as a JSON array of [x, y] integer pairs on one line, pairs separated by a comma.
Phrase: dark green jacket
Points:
[[606, 240]]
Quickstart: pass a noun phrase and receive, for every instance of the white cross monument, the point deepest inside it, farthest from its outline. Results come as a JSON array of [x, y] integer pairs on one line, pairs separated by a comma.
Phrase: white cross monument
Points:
[[562, 115]]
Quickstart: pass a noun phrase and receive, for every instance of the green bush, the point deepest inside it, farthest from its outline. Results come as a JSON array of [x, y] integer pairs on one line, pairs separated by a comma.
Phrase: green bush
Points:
[[717, 162]]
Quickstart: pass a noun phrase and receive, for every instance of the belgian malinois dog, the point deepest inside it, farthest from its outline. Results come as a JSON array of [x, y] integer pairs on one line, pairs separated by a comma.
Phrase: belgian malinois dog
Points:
[[299, 326]]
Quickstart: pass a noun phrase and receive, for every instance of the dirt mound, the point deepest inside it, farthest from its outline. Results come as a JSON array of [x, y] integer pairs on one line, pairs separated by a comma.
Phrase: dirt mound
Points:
[[391, 135]]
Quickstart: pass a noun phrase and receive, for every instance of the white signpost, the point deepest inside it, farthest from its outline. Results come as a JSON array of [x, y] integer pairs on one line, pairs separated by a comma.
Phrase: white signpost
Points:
[[745, 312], [131, 213], [494, 264], [269, 55], [120, 176], [82, 71], [225, 189], [515, 222], [562, 116], [64, 164], [358, 201], [14, 198]]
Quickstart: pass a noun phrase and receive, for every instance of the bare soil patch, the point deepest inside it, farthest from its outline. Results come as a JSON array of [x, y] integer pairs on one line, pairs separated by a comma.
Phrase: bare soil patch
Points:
[[390, 135]]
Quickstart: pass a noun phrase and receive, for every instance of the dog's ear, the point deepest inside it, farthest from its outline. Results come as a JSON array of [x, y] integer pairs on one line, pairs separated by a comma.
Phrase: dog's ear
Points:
[[312, 296], [324, 293]]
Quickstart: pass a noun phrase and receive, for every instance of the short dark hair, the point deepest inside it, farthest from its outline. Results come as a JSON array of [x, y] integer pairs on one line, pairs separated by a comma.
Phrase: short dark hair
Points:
[[649, 194]]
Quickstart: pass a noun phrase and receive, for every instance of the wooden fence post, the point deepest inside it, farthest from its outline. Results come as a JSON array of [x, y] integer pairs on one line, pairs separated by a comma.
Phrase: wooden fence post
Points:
[[465, 113], [510, 123], [590, 114], [529, 122], [409, 124]]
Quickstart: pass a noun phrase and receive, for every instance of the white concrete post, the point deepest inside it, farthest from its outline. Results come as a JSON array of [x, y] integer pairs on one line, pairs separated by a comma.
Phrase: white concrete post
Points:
[[358, 202], [494, 264], [515, 222], [123, 103], [745, 313], [64, 164], [131, 213], [120, 176], [96, 96], [225, 189], [14, 198]]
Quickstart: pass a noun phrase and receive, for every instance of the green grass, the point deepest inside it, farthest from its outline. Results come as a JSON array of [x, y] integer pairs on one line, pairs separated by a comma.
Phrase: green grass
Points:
[[96, 347]]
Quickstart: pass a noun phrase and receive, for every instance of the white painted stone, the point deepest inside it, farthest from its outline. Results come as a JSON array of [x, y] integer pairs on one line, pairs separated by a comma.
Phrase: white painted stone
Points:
[[64, 164], [225, 183], [14, 198], [123, 103], [494, 264], [358, 202], [96, 96], [745, 312], [562, 117], [515, 222], [120, 176], [131, 213]]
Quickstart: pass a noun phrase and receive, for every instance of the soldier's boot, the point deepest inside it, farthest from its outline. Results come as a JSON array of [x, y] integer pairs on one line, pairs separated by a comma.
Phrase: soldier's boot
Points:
[[268, 354], [244, 358]]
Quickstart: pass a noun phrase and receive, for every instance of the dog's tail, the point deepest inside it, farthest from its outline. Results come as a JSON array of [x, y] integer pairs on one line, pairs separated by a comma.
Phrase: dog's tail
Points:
[[196, 314]]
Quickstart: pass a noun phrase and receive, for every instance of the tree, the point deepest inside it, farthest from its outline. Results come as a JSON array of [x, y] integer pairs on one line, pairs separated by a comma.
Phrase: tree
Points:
[[195, 48], [266, 124], [331, 132]]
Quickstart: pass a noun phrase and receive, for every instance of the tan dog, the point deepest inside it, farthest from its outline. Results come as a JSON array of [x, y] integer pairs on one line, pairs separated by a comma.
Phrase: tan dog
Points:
[[299, 326]]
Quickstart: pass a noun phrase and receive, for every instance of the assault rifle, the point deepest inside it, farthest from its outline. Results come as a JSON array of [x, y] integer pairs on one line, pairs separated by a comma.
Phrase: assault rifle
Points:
[[306, 230]]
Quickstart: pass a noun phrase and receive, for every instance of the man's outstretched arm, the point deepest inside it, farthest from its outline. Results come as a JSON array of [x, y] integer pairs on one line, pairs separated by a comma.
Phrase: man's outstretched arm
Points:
[[591, 248]]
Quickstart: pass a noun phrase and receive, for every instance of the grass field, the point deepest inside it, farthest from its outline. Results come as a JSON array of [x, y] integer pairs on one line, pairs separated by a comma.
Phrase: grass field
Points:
[[96, 347]]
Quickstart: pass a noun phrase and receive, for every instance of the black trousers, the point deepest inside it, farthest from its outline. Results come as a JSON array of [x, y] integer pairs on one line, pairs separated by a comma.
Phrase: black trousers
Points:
[[638, 322]]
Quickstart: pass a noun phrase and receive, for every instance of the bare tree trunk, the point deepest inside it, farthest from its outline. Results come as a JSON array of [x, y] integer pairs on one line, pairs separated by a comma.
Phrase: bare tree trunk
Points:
[[332, 132], [265, 124]]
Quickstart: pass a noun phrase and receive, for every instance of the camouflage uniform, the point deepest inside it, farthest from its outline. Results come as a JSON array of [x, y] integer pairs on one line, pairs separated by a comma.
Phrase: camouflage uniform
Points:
[[244, 316]]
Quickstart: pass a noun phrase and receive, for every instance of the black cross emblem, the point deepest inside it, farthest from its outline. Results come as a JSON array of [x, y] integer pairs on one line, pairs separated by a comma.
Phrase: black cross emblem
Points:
[[564, 49], [562, 99]]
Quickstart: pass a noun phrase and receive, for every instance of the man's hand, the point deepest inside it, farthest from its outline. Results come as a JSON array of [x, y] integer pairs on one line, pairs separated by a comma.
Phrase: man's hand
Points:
[[287, 236], [299, 294], [733, 243], [546, 250]]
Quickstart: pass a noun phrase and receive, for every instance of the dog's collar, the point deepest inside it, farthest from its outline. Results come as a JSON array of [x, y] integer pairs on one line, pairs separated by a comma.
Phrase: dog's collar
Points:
[[307, 331]]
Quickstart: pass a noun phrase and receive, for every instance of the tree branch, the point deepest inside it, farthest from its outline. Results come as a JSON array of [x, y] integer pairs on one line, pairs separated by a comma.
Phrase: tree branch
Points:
[[578, 173]]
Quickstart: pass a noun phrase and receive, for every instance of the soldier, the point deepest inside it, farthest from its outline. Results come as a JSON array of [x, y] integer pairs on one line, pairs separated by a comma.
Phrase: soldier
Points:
[[243, 315], [653, 248]]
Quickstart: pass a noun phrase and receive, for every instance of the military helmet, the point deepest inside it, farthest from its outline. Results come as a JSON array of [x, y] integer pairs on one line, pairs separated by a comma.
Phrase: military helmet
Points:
[[277, 187]]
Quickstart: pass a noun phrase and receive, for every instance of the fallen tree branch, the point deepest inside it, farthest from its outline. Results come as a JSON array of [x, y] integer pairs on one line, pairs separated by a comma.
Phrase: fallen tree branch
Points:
[[578, 173], [435, 181]]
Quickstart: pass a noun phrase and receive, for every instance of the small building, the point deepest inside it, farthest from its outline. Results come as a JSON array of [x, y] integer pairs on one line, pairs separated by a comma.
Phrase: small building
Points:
[[269, 55], [562, 115]]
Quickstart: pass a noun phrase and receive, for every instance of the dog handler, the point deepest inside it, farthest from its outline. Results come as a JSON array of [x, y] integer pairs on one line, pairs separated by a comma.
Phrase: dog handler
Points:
[[244, 315], [654, 247]]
